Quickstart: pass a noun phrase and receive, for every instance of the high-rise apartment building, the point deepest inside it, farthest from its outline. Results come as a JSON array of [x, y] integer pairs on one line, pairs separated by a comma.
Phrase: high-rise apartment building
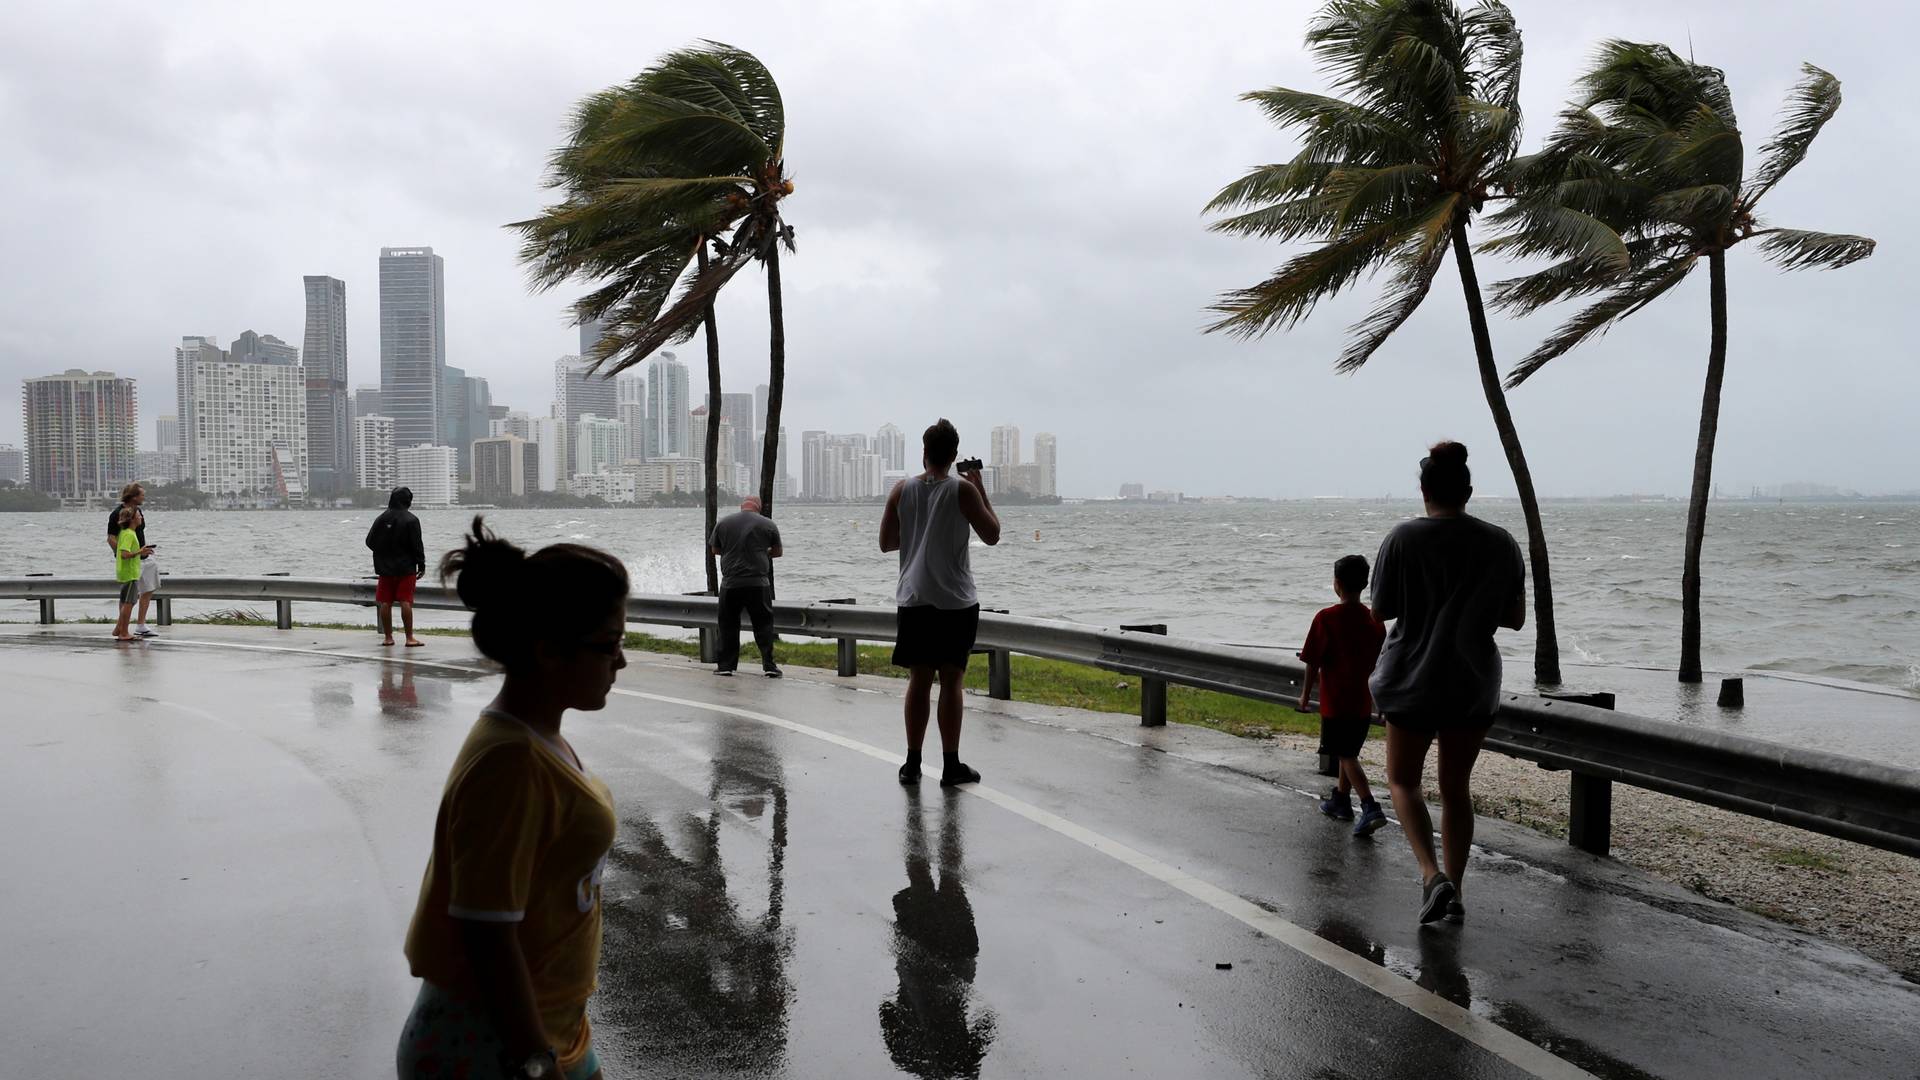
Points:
[[192, 348], [631, 390], [553, 437], [737, 421], [157, 466], [1044, 454], [891, 444], [413, 342], [249, 414], [599, 444], [512, 422], [329, 407], [1004, 449], [760, 408], [669, 408], [577, 392], [166, 434], [465, 415], [505, 466], [428, 471], [374, 465], [82, 434], [13, 465]]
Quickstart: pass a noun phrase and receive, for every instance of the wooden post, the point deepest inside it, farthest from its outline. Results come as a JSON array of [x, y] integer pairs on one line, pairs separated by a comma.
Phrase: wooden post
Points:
[[1153, 692]]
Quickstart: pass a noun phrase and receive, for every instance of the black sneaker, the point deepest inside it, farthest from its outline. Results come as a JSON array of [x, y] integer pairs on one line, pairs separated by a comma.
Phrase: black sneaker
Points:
[[959, 774], [910, 773], [1456, 912], [725, 672], [772, 672], [1435, 895]]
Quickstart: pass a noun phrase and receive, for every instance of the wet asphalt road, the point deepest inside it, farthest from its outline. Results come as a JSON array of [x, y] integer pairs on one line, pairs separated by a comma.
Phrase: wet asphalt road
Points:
[[212, 853]]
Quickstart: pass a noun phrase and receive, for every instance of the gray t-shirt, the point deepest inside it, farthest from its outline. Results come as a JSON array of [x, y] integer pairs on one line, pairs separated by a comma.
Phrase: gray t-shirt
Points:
[[1444, 583], [743, 540]]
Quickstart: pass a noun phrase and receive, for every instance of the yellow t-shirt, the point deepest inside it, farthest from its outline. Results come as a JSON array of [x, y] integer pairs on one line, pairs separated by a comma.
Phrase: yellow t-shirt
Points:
[[522, 837]]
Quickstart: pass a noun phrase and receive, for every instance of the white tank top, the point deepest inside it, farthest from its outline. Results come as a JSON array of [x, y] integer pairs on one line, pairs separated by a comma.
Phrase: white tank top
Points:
[[934, 571]]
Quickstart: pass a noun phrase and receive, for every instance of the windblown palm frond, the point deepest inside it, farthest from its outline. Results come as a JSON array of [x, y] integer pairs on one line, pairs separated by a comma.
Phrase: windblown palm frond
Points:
[[1795, 249], [1631, 294], [1810, 104]]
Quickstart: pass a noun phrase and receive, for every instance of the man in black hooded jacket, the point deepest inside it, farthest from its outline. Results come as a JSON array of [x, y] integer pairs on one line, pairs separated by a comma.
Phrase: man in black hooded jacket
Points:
[[399, 558]]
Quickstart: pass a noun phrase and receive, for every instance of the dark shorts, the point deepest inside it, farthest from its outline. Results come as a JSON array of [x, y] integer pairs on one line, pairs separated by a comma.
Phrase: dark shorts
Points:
[[397, 589], [933, 637], [130, 591], [1342, 736], [1432, 722]]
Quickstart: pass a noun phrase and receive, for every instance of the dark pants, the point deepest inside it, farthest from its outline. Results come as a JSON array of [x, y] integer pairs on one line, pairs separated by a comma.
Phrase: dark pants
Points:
[[757, 602]]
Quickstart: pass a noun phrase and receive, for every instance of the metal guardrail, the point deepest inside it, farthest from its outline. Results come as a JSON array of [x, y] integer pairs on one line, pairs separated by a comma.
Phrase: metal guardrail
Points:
[[1839, 796]]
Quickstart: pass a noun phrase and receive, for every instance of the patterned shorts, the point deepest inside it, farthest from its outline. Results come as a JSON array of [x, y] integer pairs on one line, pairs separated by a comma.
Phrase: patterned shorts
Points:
[[451, 1038]]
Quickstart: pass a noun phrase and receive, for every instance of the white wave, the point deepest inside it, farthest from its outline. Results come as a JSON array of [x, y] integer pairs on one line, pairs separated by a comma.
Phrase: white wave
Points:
[[579, 536]]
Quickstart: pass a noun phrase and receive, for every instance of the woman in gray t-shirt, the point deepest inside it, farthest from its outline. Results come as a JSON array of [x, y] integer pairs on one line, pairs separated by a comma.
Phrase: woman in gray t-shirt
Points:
[[1446, 582]]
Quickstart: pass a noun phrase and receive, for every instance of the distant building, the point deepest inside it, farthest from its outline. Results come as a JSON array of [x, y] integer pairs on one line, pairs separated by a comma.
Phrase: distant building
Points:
[[505, 466], [157, 466], [577, 392], [1004, 447], [166, 434], [891, 444], [1027, 479], [1045, 451], [366, 401], [515, 423], [630, 388], [329, 406], [553, 438], [13, 465], [614, 487], [192, 349], [1165, 496], [590, 334], [669, 408], [760, 394], [249, 422], [375, 465], [82, 434], [428, 471], [413, 343], [599, 444], [663, 475], [1133, 491]]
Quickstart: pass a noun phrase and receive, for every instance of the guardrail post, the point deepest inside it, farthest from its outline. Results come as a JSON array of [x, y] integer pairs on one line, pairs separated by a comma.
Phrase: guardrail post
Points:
[[1000, 674], [282, 609], [46, 611], [1153, 692], [1589, 797], [846, 650], [163, 611], [709, 636]]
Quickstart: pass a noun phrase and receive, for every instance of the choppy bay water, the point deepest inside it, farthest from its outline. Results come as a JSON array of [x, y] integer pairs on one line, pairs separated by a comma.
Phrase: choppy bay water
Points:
[[1830, 590]]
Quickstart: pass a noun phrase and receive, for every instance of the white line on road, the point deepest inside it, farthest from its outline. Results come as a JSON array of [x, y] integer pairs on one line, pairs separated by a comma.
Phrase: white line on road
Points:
[[1475, 1029]]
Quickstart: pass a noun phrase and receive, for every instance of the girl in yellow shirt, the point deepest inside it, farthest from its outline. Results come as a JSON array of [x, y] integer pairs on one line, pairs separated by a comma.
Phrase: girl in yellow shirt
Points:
[[506, 936]]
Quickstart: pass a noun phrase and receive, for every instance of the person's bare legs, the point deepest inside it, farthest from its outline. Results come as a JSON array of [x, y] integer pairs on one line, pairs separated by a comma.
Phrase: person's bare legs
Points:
[[1406, 759], [120, 628], [1354, 777], [1459, 749], [145, 599], [952, 700], [384, 617], [406, 619], [919, 706]]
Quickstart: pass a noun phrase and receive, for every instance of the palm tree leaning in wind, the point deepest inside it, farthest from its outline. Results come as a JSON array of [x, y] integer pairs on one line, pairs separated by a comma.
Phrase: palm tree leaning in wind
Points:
[[680, 168], [1639, 183], [1391, 176]]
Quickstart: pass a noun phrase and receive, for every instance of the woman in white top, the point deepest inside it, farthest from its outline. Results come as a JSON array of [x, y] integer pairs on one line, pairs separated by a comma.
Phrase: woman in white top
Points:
[[927, 520]]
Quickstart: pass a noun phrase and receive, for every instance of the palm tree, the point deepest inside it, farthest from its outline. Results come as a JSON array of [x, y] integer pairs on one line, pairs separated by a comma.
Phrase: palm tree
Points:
[[1391, 176], [671, 185], [1639, 183]]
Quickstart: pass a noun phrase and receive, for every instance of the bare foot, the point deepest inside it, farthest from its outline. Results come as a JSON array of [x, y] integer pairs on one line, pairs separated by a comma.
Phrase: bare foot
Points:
[[389, 641], [414, 643]]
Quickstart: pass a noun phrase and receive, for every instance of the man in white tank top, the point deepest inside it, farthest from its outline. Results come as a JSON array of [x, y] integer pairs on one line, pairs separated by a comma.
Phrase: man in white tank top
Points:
[[927, 520]]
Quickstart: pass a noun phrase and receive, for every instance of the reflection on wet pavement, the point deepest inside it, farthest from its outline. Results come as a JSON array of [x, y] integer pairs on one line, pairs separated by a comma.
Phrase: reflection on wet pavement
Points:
[[936, 946]]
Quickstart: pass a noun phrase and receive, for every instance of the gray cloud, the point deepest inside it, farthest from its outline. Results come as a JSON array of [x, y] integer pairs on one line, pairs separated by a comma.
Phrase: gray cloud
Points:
[[998, 214]]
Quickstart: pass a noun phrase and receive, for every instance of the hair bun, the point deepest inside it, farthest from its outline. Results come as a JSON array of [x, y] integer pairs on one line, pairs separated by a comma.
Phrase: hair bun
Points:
[[486, 569], [1448, 453]]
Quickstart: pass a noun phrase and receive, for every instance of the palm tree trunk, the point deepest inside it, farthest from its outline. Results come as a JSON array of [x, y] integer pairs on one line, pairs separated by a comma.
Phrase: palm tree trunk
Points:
[[1703, 471], [713, 435], [1546, 644], [776, 378]]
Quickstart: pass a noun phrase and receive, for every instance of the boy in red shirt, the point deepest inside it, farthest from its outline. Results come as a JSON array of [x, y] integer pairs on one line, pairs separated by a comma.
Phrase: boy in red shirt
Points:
[[1340, 653]]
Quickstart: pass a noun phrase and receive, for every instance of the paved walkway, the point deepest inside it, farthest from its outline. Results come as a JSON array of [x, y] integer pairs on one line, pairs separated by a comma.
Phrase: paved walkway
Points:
[[214, 842]]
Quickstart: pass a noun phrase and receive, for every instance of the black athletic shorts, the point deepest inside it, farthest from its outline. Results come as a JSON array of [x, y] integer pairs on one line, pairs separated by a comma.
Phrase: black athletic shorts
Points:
[[933, 637], [1342, 736]]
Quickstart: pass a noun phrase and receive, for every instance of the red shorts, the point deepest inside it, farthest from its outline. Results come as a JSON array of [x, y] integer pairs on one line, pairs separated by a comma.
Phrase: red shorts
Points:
[[394, 590]]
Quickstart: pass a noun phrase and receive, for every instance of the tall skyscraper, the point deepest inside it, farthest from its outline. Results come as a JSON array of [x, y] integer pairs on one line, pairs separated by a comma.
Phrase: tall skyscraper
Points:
[[590, 332], [891, 444], [578, 393], [166, 433], [737, 424], [760, 408], [329, 410], [465, 415], [376, 467], [192, 348], [366, 401], [505, 466], [1044, 452], [631, 389], [250, 422], [428, 470], [1004, 450], [599, 445], [82, 434], [668, 408], [13, 465], [552, 436], [413, 342]]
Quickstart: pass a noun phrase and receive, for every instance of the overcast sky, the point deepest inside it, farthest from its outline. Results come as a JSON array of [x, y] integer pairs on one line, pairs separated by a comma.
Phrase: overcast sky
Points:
[[998, 215]]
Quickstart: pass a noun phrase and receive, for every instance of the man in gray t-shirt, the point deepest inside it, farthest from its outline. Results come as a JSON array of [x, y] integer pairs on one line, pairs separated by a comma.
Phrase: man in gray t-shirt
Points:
[[746, 544]]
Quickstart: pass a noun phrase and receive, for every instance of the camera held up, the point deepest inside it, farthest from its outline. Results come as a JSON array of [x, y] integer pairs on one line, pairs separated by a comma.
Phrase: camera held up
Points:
[[967, 465]]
